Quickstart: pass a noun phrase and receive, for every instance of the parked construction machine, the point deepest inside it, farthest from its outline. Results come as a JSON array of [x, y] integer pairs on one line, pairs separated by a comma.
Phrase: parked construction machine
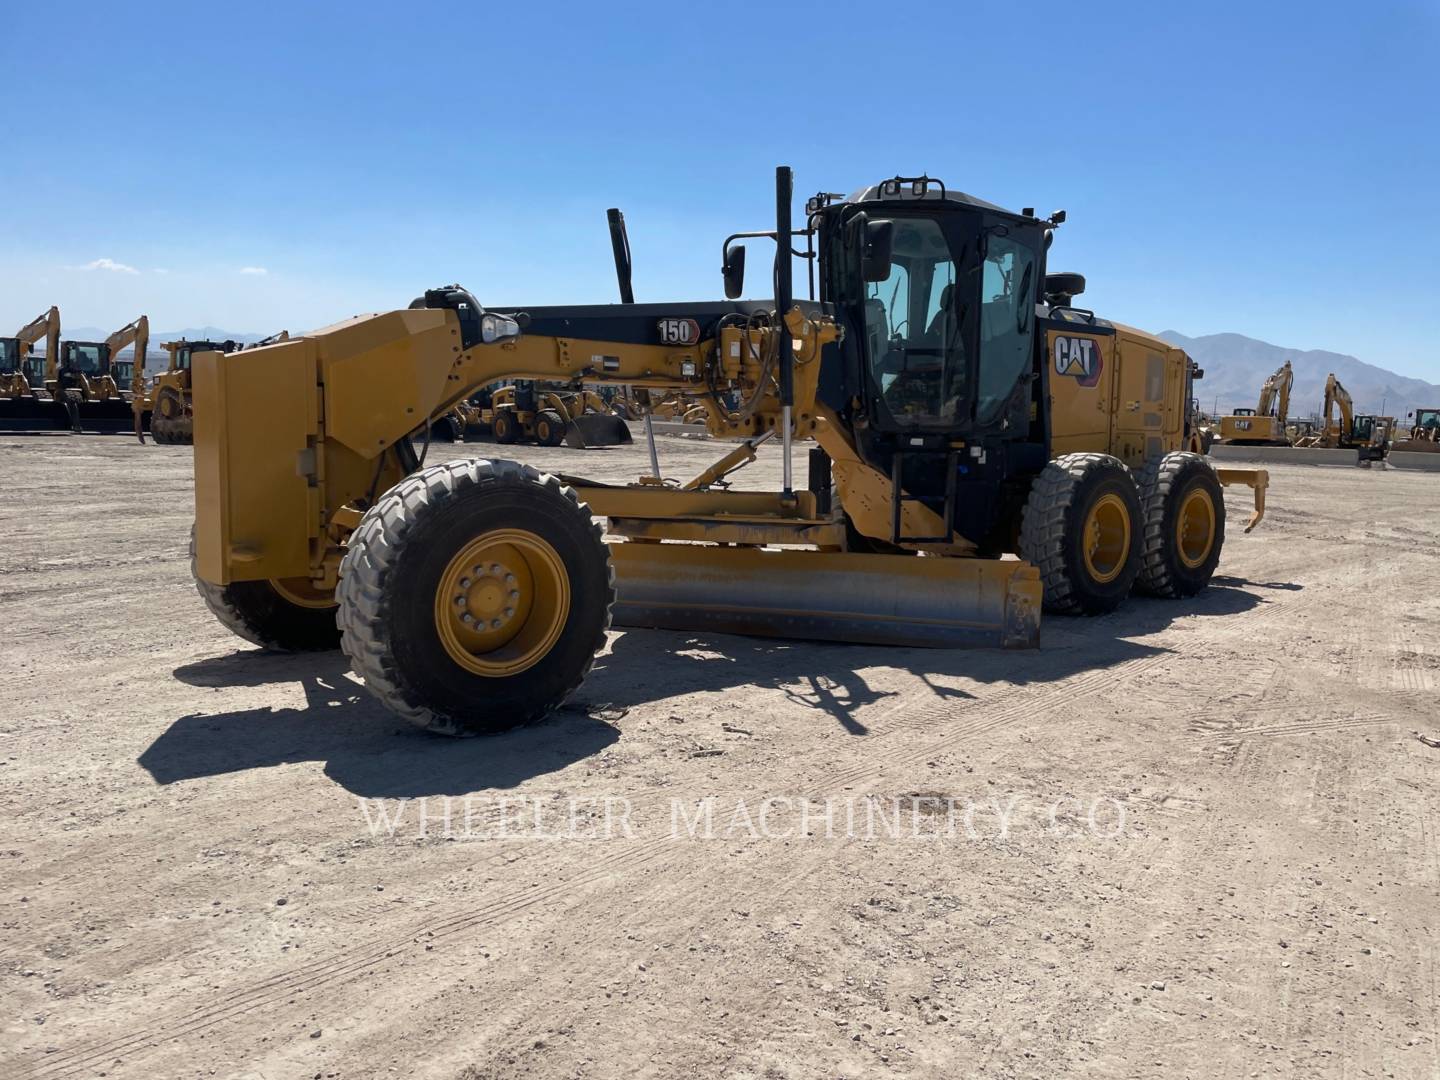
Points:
[[165, 400], [1263, 425], [1338, 429], [551, 414], [25, 401], [1424, 434], [85, 385], [964, 412]]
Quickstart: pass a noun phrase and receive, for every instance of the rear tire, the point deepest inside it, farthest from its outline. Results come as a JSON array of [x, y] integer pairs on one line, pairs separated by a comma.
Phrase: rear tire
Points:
[[1183, 507], [1081, 529], [259, 613], [549, 428], [474, 596], [505, 427]]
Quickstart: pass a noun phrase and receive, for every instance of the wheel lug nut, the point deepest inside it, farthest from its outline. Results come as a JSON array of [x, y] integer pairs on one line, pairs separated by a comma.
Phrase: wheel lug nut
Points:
[[467, 618], [494, 624], [459, 601], [509, 579], [509, 612], [514, 594], [464, 582]]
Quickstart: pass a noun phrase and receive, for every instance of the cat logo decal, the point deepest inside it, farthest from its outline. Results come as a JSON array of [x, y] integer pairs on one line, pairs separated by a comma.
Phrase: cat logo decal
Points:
[[1079, 358]]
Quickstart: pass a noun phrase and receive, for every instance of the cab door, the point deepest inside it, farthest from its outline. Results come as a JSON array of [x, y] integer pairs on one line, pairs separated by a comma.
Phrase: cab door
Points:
[[1081, 378], [1148, 407]]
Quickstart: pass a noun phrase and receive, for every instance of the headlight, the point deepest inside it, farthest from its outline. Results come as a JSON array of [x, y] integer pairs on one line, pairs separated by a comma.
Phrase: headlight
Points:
[[495, 328]]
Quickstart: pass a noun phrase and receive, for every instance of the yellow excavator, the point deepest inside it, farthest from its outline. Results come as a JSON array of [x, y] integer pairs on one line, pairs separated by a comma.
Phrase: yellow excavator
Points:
[[25, 402], [1340, 428], [1263, 425], [83, 380], [983, 447]]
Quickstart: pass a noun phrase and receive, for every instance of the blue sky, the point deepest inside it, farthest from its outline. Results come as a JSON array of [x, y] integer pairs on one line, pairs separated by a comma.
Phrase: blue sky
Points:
[[1269, 169]]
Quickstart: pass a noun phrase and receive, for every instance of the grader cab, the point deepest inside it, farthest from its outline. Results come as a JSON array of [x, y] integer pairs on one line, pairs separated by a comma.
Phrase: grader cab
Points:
[[982, 447]]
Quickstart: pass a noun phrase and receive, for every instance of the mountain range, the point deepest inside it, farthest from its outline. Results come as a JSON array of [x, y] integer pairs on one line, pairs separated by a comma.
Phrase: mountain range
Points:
[[1236, 366], [156, 358]]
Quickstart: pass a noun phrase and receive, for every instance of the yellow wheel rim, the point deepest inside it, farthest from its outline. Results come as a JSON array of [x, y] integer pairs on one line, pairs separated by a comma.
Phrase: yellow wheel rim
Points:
[[1195, 528], [502, 603], [542, 430], [1106, 538], [302, 593]]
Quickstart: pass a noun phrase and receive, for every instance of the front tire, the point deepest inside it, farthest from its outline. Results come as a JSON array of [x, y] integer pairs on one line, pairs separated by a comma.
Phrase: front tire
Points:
[[1183, 507], [549, 428], [1081, 529], [284, 616], [505, 427], [474, 596]]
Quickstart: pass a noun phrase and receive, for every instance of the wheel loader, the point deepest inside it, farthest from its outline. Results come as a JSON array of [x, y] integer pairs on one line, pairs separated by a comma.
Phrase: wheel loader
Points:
[[982, 448], [164, 403], [549, 415], [1424, 434]]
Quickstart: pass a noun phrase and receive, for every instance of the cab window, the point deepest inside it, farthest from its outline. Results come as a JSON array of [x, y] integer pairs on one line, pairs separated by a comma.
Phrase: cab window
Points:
[[1007, 309], [914, 328]]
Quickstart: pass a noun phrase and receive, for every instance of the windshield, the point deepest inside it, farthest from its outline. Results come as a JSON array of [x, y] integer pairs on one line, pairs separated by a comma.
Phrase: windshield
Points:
[[9, 354], [84, 357], [915, 322]]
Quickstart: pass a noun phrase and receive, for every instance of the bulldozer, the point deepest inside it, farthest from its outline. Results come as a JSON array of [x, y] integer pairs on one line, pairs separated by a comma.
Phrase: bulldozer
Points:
[[983, 449], [26, 404], [164, 403], [1263, 425], [549, 415]]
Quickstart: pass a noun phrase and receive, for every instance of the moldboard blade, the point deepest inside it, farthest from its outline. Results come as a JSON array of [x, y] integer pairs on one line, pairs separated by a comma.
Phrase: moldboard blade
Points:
[[829, 596]]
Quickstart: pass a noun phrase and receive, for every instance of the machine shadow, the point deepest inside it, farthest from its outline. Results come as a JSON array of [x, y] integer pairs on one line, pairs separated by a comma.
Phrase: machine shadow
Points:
[[371, 753], [365, 749]]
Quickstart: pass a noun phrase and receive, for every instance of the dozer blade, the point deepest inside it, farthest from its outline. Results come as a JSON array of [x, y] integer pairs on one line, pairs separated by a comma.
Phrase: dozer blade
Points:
[[597, 429], [829, 596]]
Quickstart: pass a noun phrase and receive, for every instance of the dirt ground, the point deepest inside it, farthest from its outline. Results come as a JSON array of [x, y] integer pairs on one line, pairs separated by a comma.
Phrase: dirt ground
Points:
[[1191, 839]]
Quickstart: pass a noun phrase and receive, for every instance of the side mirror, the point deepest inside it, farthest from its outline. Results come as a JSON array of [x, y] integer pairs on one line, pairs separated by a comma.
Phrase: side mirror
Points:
[[875, 254], [734, 272]]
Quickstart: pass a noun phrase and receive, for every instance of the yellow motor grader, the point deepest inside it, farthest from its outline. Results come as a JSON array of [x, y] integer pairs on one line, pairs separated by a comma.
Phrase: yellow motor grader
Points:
[[983, 447]]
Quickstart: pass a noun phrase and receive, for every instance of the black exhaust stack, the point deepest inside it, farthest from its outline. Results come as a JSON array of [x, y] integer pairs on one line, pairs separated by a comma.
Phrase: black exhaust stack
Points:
[[620, 246]]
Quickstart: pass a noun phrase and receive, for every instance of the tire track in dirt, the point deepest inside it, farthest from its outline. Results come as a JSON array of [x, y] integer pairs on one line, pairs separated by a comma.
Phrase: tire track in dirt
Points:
[[1001, 709]]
